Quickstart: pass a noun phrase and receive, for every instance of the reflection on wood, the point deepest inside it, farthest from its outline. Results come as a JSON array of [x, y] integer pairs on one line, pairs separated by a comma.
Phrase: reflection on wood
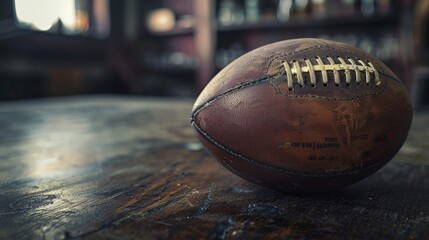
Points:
[[110, 167]]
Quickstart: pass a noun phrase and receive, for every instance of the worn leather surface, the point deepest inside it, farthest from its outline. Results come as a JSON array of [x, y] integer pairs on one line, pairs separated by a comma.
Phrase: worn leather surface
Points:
[[312, 137]]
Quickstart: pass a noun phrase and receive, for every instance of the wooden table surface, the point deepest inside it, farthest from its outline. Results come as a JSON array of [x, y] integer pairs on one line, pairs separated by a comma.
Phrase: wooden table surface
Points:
[[109, 167]]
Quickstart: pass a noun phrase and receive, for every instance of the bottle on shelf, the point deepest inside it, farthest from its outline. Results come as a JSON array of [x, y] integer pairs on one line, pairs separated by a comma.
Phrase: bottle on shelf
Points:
[[230, 13], [284, 10]]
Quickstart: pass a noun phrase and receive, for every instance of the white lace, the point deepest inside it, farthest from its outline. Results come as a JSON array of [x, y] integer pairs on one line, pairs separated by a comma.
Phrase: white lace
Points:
[[295, 69]]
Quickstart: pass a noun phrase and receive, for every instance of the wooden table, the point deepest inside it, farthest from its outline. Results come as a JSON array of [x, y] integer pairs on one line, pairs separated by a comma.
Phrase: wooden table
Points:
[[114, 167]]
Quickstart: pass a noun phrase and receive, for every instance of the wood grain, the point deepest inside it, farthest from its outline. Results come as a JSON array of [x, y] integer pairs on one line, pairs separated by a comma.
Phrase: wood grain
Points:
[[115, 167]]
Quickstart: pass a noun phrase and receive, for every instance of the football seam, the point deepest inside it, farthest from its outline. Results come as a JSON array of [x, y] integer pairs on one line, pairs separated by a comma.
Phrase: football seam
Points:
[[279, 92], [267, 77], [354, 170], [293, 68], [321, 47], [233, 89]]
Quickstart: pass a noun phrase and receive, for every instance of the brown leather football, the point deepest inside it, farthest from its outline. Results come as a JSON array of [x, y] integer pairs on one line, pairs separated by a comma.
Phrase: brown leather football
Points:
[[303, 115]]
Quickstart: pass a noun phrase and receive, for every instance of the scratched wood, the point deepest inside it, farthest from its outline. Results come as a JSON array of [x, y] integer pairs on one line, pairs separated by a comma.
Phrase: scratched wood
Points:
[[113, 167]]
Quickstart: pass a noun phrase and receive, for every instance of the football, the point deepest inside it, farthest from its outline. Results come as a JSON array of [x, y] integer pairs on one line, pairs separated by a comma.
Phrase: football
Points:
[[303, 115]]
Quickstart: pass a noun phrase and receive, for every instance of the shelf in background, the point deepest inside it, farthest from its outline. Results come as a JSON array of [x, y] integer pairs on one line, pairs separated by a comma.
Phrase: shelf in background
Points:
[[169, 69], [171, 33], [307, 23]]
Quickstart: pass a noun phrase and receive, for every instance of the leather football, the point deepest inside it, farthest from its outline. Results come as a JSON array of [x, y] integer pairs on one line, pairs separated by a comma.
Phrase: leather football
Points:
[[303, 115]]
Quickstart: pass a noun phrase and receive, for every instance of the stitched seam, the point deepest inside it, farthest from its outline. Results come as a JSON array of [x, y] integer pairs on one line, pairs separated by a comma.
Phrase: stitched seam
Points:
[[269, 77], [280, 169], [375, 63], [241, 86], [295, 69], [325, 46], [290, 53], [279, 92]]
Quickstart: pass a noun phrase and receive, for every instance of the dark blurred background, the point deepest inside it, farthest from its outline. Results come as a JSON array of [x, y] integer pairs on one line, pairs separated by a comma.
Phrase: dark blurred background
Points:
[[173, 48]]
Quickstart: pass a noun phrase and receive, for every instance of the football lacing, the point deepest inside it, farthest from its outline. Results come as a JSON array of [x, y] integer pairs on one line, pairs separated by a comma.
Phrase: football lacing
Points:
[[351, 66]]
